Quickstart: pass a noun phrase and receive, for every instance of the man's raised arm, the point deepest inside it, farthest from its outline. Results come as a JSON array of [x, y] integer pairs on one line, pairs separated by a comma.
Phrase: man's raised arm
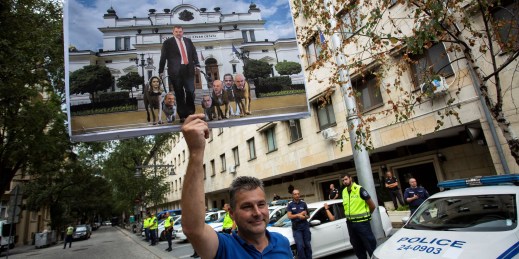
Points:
[[202, 236]]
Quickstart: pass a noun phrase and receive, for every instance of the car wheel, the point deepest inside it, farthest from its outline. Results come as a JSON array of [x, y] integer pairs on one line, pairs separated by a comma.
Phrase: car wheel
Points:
[[294, 251]]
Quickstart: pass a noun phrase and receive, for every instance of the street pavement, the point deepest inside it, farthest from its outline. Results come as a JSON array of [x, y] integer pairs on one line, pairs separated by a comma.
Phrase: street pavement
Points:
[[115, 242]]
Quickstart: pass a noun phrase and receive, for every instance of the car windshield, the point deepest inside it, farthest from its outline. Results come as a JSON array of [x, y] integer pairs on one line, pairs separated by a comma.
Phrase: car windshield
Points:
[[285, 222], [497, 212], [80, 229]]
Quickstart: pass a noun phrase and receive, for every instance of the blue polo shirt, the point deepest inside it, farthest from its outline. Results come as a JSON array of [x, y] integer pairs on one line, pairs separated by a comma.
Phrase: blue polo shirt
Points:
[[232, 246]]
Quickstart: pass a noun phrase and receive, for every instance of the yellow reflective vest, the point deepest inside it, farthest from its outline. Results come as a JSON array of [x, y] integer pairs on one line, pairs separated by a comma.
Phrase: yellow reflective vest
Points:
[[154, 224], [167, 223], [355, 208], [146, 223], [227, 221]]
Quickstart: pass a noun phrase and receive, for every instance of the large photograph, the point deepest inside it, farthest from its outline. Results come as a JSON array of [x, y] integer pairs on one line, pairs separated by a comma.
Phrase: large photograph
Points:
[[141, 67]]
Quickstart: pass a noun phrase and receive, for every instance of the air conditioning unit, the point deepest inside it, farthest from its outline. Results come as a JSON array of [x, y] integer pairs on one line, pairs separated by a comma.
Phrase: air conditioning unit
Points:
[[330, 134], [232, 169], [435, 87]]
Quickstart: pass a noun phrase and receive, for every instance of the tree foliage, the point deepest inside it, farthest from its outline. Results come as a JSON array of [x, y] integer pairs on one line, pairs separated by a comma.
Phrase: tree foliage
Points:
[[390, 40], [256, 68], [32, 125], [130, 80], [121, 164], [287, 68], [90, 79]]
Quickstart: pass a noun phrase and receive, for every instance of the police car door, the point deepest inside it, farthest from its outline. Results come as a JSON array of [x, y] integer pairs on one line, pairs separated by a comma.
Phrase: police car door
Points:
[[328, 237]]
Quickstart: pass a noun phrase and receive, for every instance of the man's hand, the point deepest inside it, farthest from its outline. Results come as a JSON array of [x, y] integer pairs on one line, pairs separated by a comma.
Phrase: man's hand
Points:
[[195, 132]]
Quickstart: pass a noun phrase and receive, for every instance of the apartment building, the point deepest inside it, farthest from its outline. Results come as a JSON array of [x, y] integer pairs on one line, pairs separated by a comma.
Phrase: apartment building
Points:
[[308, 154]]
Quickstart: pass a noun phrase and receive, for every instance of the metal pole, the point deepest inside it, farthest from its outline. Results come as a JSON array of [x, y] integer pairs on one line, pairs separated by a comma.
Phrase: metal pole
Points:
[[490, 121], [360, 157], [142, 67]]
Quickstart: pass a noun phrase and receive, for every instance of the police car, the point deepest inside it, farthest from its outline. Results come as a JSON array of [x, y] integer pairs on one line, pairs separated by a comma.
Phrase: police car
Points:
[[476, 219]]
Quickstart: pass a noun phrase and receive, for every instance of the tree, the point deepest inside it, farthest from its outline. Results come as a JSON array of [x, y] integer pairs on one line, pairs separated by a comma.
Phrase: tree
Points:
[[121, 164], [90, 79], [32, 125], [256, 69], [287, 68], [479, 37], [130, 80]]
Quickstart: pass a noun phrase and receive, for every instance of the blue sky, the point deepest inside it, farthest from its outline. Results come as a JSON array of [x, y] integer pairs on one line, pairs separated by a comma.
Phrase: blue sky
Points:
[[86, 16]]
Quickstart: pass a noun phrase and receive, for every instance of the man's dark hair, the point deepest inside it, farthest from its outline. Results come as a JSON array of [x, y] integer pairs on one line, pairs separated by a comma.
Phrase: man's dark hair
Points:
[[243, 183], [178, 27], [346, 174], [228, 74]]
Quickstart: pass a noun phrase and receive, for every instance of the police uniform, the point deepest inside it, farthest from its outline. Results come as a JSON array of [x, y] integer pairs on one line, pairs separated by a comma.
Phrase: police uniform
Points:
[[396, 195], [153, 230], [422, 196], [167, 225], [358, 216], [227, 223], [301, 229]]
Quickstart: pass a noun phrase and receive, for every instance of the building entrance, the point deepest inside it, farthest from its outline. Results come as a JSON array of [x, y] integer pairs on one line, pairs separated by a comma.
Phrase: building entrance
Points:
[[424, 174]]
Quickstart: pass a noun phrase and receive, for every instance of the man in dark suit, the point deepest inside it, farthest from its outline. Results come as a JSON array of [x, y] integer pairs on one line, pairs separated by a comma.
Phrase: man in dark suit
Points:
[[182, 61]]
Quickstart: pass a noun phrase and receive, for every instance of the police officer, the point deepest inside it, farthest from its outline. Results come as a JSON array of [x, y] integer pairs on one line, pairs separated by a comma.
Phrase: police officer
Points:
[[358, 207], [298, 213], [228, 223], [415, 195], [392, 186], [153, 230], [146, 225], [68, 237], [168, 228]]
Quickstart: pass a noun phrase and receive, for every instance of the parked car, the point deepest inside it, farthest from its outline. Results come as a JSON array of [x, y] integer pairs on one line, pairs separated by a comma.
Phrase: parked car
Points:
[[160, 230], [177, 230], [275, 213], [328, 237], [213, 216], [81, 232], [472, 221]]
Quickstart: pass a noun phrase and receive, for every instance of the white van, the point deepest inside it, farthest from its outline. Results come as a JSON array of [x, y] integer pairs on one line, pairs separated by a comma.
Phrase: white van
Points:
[[4, 235]]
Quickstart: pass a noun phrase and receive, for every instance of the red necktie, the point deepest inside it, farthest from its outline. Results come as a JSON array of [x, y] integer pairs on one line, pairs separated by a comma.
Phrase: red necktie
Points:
[[183, 52]]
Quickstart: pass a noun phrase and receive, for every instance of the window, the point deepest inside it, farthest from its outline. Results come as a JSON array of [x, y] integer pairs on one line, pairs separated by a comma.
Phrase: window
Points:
[[325, 114], [213, 169], [270, 134], [264, 50], [210, 135], [252, 148], [295, 130], [236, 156], [205, 172], [506, 23], [208, 47], [252, 36], [313, 50], [432, 62], [367, 93], [223, 163], [350, 22], [244, 36], [234, 68], [122, 43], [183, 156], [178, 159]]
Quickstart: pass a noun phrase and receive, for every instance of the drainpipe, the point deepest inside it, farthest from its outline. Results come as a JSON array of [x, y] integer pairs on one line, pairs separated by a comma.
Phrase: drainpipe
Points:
[[490, 119], [360, 157]]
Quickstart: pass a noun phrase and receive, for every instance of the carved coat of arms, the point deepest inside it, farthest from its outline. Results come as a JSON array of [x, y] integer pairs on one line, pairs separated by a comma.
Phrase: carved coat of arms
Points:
[[186, 16]]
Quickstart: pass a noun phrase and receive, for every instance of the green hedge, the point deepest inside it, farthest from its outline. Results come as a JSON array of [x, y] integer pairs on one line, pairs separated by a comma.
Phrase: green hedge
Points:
[[273, 84], [281, 93], [112, 96]]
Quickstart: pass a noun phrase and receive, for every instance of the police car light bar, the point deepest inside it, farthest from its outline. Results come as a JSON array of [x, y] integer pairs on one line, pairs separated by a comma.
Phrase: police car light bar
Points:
[[481, 180]]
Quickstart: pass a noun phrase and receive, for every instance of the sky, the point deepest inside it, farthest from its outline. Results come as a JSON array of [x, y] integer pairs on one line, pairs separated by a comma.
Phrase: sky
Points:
[[86, 16]]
